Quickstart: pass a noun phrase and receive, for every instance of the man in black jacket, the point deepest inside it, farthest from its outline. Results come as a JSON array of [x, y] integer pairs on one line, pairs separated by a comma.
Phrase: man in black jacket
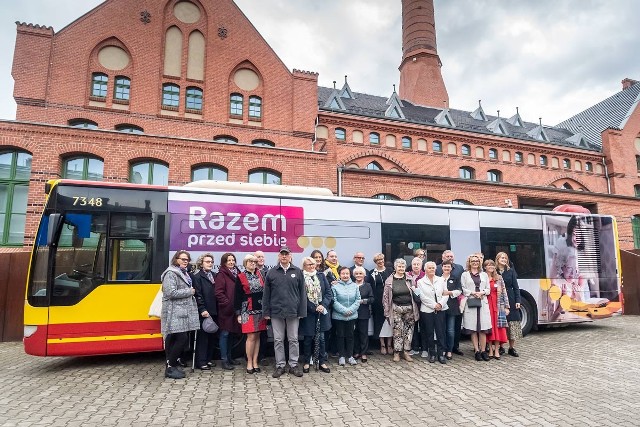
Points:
[[456, 269], [285, 303]]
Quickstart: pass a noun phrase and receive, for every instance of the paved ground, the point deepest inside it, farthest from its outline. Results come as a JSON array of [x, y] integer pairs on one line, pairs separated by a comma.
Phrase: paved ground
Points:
[[577, 375]]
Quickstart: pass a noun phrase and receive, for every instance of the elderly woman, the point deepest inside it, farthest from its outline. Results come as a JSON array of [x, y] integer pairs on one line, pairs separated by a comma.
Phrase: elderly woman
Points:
[[364, 313], [510, 278], [204, 284], [476, 318], [433, 306], [378, 276], [400, 310], [318, 320], [248, 308], [419, 339], [179, 312], [453, 315], [226, 282], [498, 308], [346, 300]]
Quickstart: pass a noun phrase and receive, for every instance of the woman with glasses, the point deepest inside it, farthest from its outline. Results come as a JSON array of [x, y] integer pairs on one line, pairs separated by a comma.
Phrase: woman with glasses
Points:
[[346, 300], [248, 307], [319, 298], [226, 282], [419, 339], [364, 314], [476, 319], [378, 276], [179, 312], [204, 284], [498, 308], [510, 278]]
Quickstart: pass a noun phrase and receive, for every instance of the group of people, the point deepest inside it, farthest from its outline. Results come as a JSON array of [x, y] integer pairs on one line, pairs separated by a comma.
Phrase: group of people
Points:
[[325, 308]]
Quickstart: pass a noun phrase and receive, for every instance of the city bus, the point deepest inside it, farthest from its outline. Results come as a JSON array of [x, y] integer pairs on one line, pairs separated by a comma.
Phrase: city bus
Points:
[[101, 247]]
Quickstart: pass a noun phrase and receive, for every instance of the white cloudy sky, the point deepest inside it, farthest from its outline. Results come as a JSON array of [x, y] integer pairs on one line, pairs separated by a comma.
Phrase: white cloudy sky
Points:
[[551, 58]]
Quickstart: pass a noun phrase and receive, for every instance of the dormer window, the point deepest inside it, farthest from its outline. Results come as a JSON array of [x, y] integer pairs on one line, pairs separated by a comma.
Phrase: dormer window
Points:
[[341, 134]]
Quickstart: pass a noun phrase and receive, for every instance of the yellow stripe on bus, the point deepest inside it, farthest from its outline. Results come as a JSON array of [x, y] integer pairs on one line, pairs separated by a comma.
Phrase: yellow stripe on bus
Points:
[[103, 338]]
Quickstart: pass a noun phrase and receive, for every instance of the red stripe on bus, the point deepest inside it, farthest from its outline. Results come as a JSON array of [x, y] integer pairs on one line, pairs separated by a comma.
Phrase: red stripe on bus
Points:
[[36, 344], [94, 348], [96, 329]]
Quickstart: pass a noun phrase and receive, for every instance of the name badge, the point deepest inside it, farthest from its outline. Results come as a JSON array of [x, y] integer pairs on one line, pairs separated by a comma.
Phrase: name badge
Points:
[[293, 275], [495, 285]]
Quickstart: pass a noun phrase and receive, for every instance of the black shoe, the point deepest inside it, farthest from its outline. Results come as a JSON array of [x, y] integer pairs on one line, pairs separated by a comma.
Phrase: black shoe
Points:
[[173, 373], [501, 350], [257, 370], [442, 360], [369, 353], [513, 352], [478, 356], [295, 370], [251, 371], [211, 364], [228, 366], [305, 370], [432, 359], [204, 368], [278, 372], [234, 362], [181, 363], [179, 369], [326, 370], [458, 352], [485, 356]]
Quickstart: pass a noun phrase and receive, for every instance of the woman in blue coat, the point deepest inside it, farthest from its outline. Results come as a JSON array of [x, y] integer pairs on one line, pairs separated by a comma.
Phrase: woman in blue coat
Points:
[[319, 299]]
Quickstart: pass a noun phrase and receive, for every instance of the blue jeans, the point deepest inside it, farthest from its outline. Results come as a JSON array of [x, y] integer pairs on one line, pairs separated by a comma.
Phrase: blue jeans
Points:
[[224, 345], [454, 325]]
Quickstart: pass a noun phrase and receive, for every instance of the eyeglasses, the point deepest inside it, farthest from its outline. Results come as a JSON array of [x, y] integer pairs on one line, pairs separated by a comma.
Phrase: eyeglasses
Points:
[[252, 260], [358, 257], [207, 261], [309, 264], [378, 260], [184, 259]]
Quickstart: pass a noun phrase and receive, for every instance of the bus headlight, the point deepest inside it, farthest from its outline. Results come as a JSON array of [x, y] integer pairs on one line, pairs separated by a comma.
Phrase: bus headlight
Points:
[[29, 330]]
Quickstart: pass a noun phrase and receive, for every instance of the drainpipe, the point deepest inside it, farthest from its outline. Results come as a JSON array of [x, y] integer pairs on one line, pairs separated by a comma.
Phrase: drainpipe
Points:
[[606, 174], [315, 134], [340, 181]]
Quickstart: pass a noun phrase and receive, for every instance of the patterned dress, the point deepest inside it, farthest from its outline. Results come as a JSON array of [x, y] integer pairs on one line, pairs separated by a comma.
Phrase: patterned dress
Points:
[[251, 317]]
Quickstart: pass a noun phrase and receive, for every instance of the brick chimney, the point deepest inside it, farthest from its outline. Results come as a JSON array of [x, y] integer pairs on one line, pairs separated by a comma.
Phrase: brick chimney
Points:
[[627, 83], [420, 76]]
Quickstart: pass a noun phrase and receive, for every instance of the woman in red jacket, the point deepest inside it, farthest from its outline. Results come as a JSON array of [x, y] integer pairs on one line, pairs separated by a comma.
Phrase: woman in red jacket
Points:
[[226, 282], [248, 307]]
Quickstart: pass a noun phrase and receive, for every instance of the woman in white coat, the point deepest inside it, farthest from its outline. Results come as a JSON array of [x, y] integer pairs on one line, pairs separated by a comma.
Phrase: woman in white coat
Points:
[[433, 306], [477, 320]]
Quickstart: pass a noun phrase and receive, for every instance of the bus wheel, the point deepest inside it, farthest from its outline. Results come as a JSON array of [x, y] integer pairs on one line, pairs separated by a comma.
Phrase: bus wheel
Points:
[[528, 313]]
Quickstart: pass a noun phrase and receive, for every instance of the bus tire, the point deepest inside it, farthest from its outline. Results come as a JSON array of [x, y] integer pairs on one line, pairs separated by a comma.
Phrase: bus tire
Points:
[[529, 314]]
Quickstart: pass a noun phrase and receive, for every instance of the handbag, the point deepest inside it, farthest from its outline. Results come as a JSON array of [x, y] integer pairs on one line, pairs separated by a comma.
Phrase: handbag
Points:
[[155, 310], [209, 325], [473, 302]]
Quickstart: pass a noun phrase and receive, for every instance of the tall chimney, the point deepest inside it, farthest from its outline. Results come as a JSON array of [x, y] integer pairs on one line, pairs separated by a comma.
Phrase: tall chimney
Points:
[[420, 76]]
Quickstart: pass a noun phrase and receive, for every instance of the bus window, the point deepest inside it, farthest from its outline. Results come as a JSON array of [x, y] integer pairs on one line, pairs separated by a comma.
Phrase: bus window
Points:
[[401, 240], [130, 247], [525, 249], [79, 257]]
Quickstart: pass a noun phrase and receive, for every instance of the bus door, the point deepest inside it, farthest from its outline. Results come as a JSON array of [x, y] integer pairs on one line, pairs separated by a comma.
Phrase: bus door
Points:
[[465, 233]]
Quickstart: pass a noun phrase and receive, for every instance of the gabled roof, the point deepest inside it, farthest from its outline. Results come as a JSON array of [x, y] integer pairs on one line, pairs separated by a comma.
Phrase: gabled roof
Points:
[[376, 107], [613, 113]]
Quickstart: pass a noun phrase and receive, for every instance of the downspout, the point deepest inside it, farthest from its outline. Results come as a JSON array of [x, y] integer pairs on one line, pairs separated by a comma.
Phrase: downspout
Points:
[[315, 134], [606, 175], [340, 181]]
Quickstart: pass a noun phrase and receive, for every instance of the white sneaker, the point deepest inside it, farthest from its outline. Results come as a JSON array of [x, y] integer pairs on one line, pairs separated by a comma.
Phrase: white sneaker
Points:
[[352, 361], [425, 354], [341, 361], [414, 353]]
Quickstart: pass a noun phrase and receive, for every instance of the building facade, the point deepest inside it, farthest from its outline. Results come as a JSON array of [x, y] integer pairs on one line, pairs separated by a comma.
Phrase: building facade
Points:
[[183, 90]]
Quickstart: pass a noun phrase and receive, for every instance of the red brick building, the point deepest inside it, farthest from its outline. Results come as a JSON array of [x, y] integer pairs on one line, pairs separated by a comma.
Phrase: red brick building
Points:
[[182, 90]]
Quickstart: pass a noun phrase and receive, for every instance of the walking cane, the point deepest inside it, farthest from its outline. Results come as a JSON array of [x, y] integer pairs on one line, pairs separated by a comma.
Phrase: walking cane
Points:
[[316, 345], [193, 357]]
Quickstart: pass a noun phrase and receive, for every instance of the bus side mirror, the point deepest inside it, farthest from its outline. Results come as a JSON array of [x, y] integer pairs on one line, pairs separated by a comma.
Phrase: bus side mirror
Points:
[[54, 224]]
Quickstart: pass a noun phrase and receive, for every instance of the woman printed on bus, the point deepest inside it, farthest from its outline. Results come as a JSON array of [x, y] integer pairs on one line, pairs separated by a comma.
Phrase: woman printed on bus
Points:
[[179, 312], [419, 339], [248, 308], [204, 284], [514, 318], [498, 309], [346, 300], [226, 282], [400, 310], [379, 275], [476, 320], [453, 316], [364, 314], [433, 306], [318, 320]]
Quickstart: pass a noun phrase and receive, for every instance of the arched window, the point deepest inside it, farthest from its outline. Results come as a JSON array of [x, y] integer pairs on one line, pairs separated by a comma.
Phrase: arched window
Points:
[[236, 101], [341, 134], [203, 172], [460, 202], [636, 189], [467, 173], [149, 172], [493, 154], [423, 199], [635, 226], [193, 99], [406, 142], [170, 95], [465, 150], [374, 138], [566, 186], [129, 128], [263, 143], [374, 166], [83, 124], [122, 88], [255, 108], [99, 83], [566, 163], [588, 167], [543, 161], [494, 175], [225, 138], [83, 168], [265, 176], [15, 170], [385, 196], [518, 157], [437, 146], [638, 163]]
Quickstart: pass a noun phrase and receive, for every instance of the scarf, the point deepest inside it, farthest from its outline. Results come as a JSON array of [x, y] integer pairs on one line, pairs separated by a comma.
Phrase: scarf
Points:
[[333, 268], [312, 284], [186, 276]]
